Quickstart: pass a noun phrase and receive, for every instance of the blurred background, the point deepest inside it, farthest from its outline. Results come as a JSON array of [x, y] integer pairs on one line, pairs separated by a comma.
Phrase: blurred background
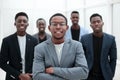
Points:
[[109, 9]]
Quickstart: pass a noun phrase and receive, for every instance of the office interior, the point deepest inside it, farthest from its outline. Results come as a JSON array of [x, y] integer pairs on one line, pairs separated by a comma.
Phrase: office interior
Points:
[[109, 9]]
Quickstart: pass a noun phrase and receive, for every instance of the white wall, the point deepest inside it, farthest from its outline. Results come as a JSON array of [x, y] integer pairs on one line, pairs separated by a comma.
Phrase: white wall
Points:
[[34, 8], [109, 9], [116, 25]]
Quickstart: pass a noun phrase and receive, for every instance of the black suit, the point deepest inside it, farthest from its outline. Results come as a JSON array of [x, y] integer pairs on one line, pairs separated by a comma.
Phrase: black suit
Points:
[[10, 56]]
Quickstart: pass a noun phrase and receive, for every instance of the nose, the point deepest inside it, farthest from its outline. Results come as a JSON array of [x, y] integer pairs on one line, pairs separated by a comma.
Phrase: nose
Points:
[[58, 26], [96, 23], [22, 22]]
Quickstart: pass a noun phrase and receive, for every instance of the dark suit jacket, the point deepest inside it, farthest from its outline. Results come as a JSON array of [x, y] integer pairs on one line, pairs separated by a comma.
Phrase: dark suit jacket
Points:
[[108, 54], [10, 56]]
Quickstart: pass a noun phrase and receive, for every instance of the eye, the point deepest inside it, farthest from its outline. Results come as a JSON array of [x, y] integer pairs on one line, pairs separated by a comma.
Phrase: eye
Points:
[[56, 24], [20, 21]]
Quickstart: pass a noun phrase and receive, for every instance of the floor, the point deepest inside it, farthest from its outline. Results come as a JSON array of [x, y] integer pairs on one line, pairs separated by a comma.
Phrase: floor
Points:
[[116, 77]]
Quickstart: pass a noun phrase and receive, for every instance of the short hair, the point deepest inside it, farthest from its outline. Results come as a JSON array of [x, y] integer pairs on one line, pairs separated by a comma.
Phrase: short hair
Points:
[[40, 19], [74, 12], [57, 14], [94, 15], [21, 14]]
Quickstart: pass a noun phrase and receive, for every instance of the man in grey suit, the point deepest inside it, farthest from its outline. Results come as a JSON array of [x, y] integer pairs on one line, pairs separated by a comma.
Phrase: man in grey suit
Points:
[[17, 51], [100, 51], [41, 35], [57, 58]]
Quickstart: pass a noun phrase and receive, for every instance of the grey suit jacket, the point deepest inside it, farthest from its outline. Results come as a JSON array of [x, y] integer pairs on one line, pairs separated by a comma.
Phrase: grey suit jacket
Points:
[[108, 54], [73, 65]]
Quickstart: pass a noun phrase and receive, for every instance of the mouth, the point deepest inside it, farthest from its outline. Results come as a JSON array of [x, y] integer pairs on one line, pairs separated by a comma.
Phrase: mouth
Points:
[[58, 32], [41, 29], [97, 28], [75, 21], [21, 27]]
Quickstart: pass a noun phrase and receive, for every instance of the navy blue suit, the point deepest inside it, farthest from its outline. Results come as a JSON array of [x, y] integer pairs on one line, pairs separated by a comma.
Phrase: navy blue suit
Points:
[[10, 56], [108, 54]]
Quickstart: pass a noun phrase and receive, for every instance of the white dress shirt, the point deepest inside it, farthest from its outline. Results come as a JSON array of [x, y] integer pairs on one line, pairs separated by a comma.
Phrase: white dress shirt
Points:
[[22, 45], [58, 48]]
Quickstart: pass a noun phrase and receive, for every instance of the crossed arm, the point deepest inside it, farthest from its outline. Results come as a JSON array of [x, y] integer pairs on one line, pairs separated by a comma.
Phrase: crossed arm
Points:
[[76, 72]]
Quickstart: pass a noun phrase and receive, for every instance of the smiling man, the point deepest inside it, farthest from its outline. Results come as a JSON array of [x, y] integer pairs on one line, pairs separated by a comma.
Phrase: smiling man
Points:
[[42, 35], [17, 51], [57, 58]]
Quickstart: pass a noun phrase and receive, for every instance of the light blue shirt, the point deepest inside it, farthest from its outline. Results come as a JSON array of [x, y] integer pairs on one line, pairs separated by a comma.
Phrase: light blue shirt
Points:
[[83, 31]]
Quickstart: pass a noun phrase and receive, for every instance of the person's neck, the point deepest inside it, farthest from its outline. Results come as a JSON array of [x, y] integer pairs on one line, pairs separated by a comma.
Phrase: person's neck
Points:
[[75, 26], [41, 35], [21, 33], [100, 34], [56, 41]]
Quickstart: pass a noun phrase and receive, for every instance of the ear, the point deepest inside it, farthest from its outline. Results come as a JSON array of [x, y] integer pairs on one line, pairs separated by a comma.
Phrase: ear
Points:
[[90, 25], [67, 27], [49, 27], [28, 24], [103, 24]]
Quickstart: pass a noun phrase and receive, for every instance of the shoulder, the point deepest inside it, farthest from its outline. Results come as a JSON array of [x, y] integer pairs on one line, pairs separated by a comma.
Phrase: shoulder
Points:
[[109, 36], [73, 42], [28, 36], [10, 37], [43, 44], [35, 35], [86, 35], [86, 38], [48, 35]]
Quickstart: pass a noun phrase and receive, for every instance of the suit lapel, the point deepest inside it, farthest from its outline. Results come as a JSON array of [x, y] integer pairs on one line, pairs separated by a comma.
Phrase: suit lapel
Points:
[[53, 53], [17, 47], [27, 46], [90, 46], [64, 52], [103, 44]]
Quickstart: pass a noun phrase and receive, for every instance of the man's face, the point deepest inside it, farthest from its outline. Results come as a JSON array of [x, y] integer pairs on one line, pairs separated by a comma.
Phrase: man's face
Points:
[[41, 26], [96, 24], [58, 27], [21, 23], [75, 18]]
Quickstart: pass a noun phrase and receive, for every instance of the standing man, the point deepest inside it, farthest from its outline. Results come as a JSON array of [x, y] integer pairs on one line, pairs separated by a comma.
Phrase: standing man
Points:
[[57, 58], [41, 35], [100, 50], [75, 31], [17, 51]]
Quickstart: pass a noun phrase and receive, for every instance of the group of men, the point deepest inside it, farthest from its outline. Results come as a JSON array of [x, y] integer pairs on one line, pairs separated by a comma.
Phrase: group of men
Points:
[[69, 53]]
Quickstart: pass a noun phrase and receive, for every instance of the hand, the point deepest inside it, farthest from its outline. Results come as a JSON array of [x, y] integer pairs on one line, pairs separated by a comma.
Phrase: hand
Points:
[[49, 70], [26, 76]]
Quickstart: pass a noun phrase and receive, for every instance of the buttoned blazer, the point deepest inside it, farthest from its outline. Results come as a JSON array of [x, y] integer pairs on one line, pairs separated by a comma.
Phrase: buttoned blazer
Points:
[[108, 54], [72, 66], [10, 56]]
